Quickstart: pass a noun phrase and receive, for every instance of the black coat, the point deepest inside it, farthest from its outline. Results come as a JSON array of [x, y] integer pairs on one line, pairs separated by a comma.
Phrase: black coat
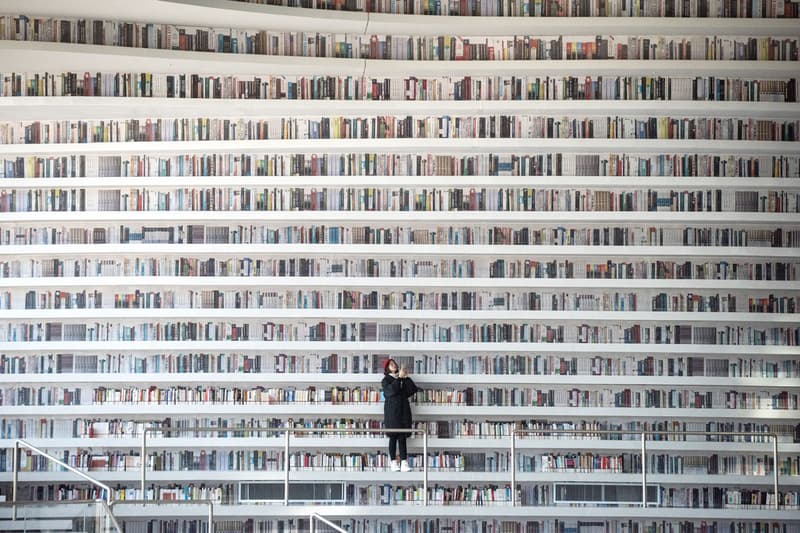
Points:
[[396, 409]]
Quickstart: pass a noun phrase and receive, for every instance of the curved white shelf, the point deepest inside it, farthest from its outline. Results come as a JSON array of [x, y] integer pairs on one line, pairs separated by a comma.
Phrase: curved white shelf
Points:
[[625, 183], [397, 250], [466, 348], [264, 314], [29, 108], [58, 57], [330, 444], [415, 218], [455, 511], [385, 475], [414, 283], [424, 380], [146, 409], [423, 24], [244, 15], [471, 145]]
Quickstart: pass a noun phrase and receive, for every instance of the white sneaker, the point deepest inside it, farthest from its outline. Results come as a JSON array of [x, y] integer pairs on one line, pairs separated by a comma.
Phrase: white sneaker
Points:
[[404, 467], [394, 466]]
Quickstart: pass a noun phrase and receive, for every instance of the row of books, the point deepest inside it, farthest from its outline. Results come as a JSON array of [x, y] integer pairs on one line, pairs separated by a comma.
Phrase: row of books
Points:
[[516, 126], [395, 164], [539, 365], [401, 300], [397, 268], [691, 236], [629, 235], [473, 87], [236, 461], [438, 494], [658, 430], [556, 8], [224, 493], [404, 332], [443, 461], [728, 498], [713, 464], [396, 46], [469, 396], [401, 199], [345, 267]]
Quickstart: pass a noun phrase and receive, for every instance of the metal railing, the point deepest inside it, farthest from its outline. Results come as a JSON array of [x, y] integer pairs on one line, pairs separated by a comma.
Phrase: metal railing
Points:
[[288, 432], [312, 523], [110, 514], [644, 434], [209, 503], [19, 444]]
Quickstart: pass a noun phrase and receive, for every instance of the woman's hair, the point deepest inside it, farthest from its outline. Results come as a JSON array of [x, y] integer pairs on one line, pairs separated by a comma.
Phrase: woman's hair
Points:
[[386, 366]]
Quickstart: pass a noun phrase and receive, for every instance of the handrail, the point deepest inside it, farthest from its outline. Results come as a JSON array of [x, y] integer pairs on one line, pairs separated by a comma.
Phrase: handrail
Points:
[[315, 516], [209, 503], [644, 434], [107, 507], [108, 503], [19, 443], [288, 432], [513, 446]]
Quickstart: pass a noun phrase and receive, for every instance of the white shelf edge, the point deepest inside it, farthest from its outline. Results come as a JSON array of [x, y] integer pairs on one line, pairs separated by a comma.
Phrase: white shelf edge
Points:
[[398, 250], [413, 145], [416, 182], [460, 512], [384, 475], [302, 379], [210, 12], [460, 443], [26, 108], [57, 57], [223, 282], [383, 315], [425, 24], [548, 218], [375, 409]]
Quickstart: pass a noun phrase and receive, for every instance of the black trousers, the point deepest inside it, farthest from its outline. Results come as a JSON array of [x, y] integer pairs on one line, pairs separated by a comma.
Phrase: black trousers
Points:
[[396, 439]]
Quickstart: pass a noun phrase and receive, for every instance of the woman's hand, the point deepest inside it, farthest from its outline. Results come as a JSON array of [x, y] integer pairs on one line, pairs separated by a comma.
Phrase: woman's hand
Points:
[[403, 373]]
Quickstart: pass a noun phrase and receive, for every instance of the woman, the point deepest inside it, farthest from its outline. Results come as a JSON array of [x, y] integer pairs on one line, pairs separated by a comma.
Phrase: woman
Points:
[[397, 389]]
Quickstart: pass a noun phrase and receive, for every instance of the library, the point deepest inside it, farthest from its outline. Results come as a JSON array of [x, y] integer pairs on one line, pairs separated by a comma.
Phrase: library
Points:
[[575, 226]]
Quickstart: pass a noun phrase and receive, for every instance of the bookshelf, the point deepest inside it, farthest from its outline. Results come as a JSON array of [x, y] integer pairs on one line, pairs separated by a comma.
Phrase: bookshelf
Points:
[[128, 302]]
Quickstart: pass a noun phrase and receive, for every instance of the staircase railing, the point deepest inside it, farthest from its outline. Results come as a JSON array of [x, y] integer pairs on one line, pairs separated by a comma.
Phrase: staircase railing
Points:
[[325, 521], [19, 444], [288, 432]]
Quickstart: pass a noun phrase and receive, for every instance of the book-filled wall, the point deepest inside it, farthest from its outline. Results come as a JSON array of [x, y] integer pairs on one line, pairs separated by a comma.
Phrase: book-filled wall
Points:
[[252, 271]]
